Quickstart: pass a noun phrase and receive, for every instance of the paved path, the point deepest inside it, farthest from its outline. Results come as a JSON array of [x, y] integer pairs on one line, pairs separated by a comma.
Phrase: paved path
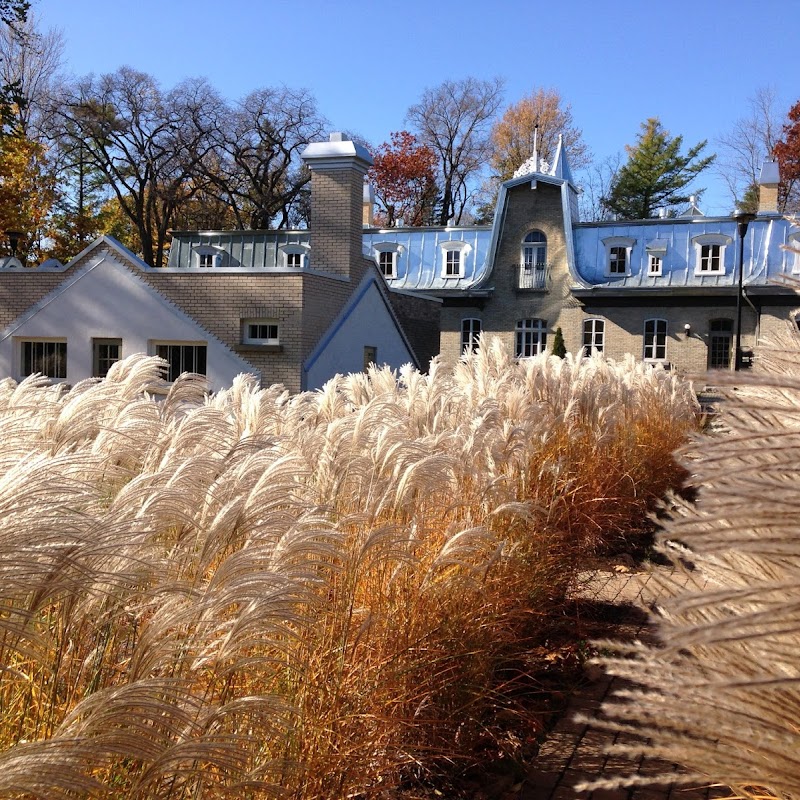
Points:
[[573, 752]]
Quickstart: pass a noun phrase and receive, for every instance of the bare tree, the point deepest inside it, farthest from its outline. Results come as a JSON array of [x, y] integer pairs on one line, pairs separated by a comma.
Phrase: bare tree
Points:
[[454, 120], [255, 164], [30, 62], [742, 151], [147, 143], [597, 180]]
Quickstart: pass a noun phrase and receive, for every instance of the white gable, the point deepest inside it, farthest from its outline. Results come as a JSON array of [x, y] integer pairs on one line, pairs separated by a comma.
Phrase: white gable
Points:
[[105, 300], [366, 321]]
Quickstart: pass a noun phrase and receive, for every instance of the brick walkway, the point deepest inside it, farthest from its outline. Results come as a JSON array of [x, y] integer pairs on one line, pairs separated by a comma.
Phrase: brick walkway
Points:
[[573, 752]]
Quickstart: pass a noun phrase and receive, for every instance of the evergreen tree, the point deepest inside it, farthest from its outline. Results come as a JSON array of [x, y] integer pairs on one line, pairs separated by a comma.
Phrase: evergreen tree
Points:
[[559, 348], [656, 173]]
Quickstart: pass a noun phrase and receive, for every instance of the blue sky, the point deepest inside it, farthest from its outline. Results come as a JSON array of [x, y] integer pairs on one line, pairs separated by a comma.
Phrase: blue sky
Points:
[[693, 64]]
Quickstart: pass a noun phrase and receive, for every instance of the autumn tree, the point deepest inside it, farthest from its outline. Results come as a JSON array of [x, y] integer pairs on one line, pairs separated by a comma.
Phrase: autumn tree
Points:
[[146, 142], [454, 121], [26, 191], [541, 115], [787, 151], [404, 178], [743, 150], [656, 173], [255, 164]]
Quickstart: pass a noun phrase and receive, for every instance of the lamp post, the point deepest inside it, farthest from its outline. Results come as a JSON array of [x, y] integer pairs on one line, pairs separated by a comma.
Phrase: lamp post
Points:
[[743, 219]]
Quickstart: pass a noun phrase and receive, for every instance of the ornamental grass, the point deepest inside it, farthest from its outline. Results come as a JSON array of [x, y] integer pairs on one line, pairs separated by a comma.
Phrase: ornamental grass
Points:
[[719, 693], [253, 594]]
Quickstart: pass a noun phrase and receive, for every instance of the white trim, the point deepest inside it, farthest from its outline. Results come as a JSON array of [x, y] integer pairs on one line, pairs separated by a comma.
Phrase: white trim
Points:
[[624, 243], [719, 240], [458, 246], [396, 250], [654, 359], [303, 250], [260, 322], [793, 241]]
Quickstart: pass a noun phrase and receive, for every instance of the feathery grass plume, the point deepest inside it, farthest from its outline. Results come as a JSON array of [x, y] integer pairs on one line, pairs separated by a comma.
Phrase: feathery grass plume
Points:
[[253, 593], [720, 693]]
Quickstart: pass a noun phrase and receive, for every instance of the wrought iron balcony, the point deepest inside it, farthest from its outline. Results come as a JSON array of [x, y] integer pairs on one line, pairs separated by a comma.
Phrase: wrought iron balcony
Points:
[[533, 276]]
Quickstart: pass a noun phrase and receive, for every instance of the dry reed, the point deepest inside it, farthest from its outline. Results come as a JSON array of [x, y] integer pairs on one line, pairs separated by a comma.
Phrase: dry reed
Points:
[[720, 693], [253, 594]]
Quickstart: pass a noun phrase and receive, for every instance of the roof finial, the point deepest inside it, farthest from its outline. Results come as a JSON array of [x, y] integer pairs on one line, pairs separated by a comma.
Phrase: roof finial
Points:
[[536, 148]]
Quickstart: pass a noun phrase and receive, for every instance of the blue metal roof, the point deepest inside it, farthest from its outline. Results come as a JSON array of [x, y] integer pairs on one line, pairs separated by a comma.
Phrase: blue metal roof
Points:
[[674, 240], [420, 260]]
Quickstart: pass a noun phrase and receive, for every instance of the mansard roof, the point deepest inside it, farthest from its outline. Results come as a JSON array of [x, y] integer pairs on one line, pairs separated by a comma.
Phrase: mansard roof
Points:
[[677, 241]]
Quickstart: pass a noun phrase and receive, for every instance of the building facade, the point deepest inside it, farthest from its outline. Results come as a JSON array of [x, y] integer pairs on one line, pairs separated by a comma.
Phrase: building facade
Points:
[[297, 307]]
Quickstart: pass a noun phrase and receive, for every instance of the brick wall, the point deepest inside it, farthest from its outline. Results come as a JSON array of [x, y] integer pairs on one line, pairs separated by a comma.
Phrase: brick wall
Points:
[[420, 318], [527, 210]]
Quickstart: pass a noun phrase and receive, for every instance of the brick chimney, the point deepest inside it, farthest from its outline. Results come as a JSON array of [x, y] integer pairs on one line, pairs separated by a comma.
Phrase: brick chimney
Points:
[[337, 195], [768, 187]]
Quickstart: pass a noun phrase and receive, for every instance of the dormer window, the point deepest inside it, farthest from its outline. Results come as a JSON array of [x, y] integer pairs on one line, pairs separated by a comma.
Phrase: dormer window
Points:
[[386, 257], [618, 255], [710, 253], [295, 256], [794, 257], [207, 257], [453, 258], [656, 250]]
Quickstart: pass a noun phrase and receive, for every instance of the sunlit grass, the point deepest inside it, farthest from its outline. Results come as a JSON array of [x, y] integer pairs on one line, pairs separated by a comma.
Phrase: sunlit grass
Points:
[[309, 595]]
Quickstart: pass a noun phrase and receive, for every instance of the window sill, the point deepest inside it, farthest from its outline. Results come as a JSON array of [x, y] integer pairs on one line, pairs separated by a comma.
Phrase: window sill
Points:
[[709, 273]]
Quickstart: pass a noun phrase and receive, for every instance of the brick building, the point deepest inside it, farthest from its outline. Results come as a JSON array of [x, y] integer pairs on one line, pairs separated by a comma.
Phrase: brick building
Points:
[[259, 304], [296, 307], [670, 290]]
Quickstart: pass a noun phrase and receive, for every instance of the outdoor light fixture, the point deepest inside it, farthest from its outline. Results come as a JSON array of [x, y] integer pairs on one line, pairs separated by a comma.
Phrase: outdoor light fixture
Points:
[[688, 328], [743, 219], [13, 240]]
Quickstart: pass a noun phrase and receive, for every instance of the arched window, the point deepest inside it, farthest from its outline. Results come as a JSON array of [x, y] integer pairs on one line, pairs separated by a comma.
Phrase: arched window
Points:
[[655, 340], [534, 250], [533, 263], [594, 334], [531, 337], [470, 333]]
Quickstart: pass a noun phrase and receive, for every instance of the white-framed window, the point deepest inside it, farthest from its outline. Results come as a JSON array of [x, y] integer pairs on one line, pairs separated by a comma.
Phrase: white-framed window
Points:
[[594, 335], [654, 264], [470, 333], [207, 256], [793, 243], [260, 331], [45, 356], [386, 256], [534, 251], [618, 255], [105, 353], [182, 357], [710, 253], [531, 337], [386, 259], [655, 340], [533, 264], [655, 250], [454, 255], [294, 256]]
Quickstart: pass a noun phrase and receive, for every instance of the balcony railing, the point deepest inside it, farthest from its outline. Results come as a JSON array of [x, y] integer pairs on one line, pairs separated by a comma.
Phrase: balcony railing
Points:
[[533, 276]]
